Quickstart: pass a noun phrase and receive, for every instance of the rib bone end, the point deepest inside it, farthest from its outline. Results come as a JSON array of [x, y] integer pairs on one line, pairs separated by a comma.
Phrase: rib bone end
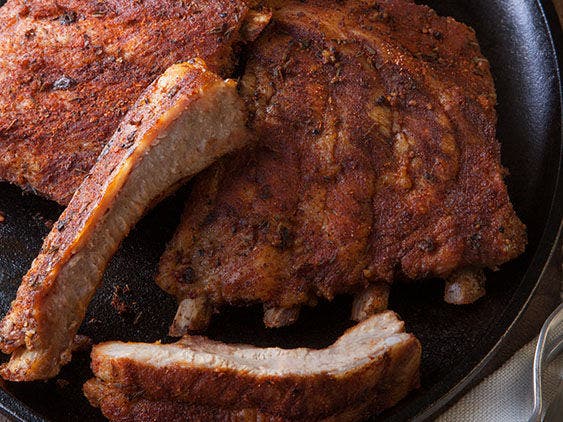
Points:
[[192, 315], [465, 287], [280, 317], [370, 301]]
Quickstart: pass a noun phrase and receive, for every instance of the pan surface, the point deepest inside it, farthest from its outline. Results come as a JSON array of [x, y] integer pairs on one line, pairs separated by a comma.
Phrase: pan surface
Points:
[[460, 344]]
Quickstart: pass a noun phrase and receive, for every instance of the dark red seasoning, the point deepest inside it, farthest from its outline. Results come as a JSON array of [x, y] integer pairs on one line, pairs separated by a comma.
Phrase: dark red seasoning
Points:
[[81, 92], [378, 153]]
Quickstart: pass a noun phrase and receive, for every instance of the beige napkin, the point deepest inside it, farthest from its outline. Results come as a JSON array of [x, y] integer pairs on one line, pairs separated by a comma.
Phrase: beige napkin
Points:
[[506, 395]]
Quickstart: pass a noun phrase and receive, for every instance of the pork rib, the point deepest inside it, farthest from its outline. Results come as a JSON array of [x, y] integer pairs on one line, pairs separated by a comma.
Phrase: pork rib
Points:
[[376, 161], [70, 70], [120, 407], [181, 123], [371, 367]]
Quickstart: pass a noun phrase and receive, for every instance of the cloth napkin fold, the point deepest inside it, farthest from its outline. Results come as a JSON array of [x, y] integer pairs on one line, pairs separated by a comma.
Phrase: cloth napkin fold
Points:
[[506, 395]]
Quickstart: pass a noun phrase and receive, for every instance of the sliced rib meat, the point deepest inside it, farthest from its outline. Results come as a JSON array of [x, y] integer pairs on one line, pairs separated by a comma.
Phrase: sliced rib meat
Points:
[[118, 406], [70, 70], [181, 123], [377, 160], [369, 368]]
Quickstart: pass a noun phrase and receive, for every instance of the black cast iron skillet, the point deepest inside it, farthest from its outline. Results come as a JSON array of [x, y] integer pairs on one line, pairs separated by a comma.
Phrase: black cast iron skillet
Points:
[[461, 345]]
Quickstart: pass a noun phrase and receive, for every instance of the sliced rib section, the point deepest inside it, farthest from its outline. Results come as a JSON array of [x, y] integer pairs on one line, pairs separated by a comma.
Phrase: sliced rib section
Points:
[[371, 367], [183, 122]]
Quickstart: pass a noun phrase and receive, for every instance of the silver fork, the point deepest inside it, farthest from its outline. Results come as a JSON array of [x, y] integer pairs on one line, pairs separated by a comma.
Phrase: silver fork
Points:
[[546, 351]]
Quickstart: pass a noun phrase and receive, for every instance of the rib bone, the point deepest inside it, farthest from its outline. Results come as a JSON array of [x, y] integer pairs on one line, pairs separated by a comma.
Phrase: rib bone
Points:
[[465, 286], [183, 122], [370, 301], [192, 315], [280, 317]]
